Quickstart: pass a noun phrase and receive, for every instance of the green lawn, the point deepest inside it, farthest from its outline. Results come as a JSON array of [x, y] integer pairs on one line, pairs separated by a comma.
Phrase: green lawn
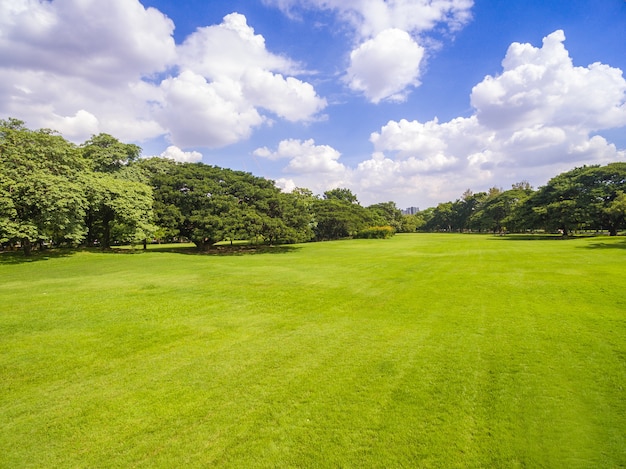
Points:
[[418, 351]]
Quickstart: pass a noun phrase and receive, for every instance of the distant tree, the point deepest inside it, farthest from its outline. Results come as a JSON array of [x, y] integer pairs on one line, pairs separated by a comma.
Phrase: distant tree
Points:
[[387, 213], [337, 218], [498, 212], [442, 217]]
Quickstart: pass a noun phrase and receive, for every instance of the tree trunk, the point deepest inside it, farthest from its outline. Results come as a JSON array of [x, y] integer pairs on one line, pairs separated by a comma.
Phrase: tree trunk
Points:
[[27, 246]]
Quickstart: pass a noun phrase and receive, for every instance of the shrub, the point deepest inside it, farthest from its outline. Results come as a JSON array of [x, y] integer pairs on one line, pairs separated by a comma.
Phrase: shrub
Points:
[[376, 232]]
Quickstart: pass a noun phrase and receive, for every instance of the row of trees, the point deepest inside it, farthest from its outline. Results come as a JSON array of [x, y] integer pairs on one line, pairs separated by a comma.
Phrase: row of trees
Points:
[[102, 192], [585, 198]]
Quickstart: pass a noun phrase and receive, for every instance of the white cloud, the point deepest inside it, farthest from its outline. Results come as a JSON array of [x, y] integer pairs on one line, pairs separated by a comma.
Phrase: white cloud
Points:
[[370, 17], [383, 67], [174, 153], [230, 49], [228, 76], [385, 64], [202, 114], [316, 167], [78, 65], [289, 98], [85, 67], [305, 156], [540, 86]]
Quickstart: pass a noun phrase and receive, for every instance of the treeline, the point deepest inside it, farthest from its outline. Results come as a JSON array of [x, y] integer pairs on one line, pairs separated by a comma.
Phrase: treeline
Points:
[[585, 198], [100, 193]]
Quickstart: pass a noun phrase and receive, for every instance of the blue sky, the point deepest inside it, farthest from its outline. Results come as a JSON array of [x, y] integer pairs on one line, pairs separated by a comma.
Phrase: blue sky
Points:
[[408, 100]]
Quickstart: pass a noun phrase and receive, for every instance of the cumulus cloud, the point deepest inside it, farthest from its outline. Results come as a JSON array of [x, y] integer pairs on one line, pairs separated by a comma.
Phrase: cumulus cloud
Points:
[[232, 52], [305, 156], [78, 66], [385, 64], [316, 167], [85, 67], [174, 153], [383, 67], [371, 17], [198, 113]]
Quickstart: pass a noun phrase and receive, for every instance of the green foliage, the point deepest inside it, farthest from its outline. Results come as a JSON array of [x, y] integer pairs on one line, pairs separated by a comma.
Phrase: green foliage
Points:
[[376, 232], [106, 154], [341, 194], [337, 218], [207, 204], [53, 191], [41, 195], [387, 213]]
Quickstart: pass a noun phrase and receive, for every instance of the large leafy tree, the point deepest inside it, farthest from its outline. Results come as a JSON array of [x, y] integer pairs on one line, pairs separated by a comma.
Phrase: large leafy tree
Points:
[[497, 212], [120, 203], [600, 187], [582, 197], [207, 204], [339, 215], [41, 187]]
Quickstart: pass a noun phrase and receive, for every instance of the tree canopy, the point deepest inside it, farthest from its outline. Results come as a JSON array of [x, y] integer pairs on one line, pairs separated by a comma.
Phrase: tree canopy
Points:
[[101, 193]]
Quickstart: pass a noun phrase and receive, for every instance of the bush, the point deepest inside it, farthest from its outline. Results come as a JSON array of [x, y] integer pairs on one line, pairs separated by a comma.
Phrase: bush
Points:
[[376, 232]]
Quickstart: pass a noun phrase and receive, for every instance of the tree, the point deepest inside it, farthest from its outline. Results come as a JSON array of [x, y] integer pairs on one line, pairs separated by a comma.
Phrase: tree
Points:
[[387, 213], [41, 187], [442, 217], [120, 203], [119, 210], [498, 212], [600, 187], [616, 210], [342, 194], [337, 218], [207, 204], [579, 198], [107, 154]]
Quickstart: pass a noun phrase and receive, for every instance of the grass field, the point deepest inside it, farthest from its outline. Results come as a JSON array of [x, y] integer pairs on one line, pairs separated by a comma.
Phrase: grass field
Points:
[[418, 351]]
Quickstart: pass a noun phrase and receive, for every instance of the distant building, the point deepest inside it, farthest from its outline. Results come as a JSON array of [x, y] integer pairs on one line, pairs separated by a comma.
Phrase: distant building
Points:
[[410, 211]]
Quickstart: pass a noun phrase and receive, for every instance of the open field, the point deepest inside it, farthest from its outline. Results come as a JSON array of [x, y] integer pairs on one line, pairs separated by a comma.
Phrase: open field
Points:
[[418, 351]]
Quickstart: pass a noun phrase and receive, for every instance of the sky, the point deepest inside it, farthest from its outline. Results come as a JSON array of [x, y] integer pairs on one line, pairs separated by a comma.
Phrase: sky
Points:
[[410, 101]]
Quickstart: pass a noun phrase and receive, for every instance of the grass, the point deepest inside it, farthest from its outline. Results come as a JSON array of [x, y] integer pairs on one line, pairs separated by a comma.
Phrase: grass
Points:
[[418, 351]]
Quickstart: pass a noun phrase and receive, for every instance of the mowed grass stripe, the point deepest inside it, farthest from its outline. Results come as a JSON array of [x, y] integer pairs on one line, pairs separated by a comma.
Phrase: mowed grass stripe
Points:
[[419, 351]]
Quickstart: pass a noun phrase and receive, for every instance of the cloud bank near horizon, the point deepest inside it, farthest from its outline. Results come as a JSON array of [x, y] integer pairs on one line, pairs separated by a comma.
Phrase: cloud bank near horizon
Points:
[[540, 113]]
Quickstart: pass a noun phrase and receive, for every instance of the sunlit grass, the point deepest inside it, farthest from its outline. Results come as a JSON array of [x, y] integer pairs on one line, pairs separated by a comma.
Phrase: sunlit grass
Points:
[[418, 351]]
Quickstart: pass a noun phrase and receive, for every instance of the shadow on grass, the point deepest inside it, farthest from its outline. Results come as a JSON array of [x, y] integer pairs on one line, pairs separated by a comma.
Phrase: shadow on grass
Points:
[[18, 257], [222, 250], [618, 245], [533, 237]]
